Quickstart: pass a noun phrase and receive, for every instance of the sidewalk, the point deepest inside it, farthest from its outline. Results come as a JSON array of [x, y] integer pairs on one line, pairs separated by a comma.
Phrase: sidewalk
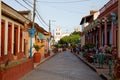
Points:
[[44, 59], [102, 72]]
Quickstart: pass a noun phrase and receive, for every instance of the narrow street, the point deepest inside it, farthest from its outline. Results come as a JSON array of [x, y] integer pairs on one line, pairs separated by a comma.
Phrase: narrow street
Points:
[[64, 66]]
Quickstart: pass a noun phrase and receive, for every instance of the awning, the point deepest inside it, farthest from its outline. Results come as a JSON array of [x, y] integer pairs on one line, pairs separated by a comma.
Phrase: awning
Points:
[[41, 36]]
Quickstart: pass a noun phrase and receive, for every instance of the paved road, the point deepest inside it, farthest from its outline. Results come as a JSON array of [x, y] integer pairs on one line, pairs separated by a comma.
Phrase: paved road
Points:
[[64, 66]]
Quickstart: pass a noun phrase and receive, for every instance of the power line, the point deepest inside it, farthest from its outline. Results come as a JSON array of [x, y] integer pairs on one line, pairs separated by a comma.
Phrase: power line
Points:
[[63, 1], [21, 4], [40, 20], [37, 13]]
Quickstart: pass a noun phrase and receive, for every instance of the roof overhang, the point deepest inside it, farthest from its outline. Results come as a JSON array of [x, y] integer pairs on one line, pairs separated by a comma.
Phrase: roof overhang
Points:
[[13, 14], [86, 19]]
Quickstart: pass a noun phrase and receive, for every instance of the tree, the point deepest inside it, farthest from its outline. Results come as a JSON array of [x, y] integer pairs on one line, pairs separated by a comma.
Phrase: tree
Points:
[[72, 39]]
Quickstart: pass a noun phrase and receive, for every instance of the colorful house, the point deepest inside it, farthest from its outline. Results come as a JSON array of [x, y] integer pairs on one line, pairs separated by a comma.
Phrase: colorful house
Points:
[[13, 33], [103, 30], [14, 40], [86, 23], [41, 40]]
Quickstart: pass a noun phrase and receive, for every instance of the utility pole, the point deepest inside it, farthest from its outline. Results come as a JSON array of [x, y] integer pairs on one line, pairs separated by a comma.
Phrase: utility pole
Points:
[[34, 9], [32, 30], [49, 25]]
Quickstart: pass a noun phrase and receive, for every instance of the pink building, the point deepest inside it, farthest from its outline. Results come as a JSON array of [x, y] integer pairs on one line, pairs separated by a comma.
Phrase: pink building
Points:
[[103, 30]]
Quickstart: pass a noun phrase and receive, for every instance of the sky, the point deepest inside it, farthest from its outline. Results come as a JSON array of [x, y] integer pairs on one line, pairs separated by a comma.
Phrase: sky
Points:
[[65, 14]]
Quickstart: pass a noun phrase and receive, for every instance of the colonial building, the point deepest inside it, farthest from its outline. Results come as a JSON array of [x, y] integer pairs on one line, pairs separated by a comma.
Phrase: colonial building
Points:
[[85, 22], [108, 24], [13, 33], [103, 30], [14, 44]]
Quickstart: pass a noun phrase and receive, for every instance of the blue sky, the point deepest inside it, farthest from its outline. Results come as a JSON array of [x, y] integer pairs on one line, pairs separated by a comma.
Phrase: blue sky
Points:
[[65, 14]]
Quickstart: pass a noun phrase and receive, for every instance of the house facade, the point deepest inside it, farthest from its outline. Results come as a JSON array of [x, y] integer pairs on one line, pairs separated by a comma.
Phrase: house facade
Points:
[[14, 44], [85, 22], [13, 33], [40, 39]]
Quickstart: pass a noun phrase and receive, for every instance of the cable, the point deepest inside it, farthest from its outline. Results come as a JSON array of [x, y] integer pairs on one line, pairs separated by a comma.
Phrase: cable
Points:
[[21, 4], [37, 13], [40, 20], [63, 2], [65, 10]]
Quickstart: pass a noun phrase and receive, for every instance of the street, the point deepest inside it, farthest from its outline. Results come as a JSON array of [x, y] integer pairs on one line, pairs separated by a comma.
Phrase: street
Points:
[[64, 66]]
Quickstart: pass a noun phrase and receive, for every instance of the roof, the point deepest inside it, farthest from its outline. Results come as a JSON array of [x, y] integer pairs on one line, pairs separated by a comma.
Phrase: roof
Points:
[[8, 11], [24, 12], [39, 29], [86, 18]]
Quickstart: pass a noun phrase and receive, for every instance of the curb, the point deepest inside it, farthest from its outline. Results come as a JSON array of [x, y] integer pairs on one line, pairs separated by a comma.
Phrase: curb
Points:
[[104, 76], [37, 64], [91, 66]]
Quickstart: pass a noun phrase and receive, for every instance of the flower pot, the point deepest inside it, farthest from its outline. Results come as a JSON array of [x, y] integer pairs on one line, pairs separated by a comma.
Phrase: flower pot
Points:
[[37, 57], [47, 55]]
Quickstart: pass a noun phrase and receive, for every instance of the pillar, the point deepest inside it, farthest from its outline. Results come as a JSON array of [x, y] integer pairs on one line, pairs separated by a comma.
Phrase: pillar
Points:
[[9, 37], [113, 29], [6, 38], [23, 40], [99, 37], [18, 38], [112, 33], [105, 32], [12, 38]]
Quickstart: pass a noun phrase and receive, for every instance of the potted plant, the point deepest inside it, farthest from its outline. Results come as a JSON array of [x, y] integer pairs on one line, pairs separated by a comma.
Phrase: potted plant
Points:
[[46, 54], [109, 49], [37, 56]]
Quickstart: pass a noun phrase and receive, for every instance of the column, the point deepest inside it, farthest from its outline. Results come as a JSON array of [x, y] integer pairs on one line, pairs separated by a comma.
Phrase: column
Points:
[[105, 33], [23, 40], [118, 29], [12, 38], [113, 35], [99, 37], [6, 38], [0, 28], [9, 37], [94, 35], [18, 38]]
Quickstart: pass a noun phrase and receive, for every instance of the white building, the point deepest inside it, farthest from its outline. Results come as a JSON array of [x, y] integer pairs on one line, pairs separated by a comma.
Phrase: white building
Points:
[[76, 29], [65, 34], [58, 34]]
